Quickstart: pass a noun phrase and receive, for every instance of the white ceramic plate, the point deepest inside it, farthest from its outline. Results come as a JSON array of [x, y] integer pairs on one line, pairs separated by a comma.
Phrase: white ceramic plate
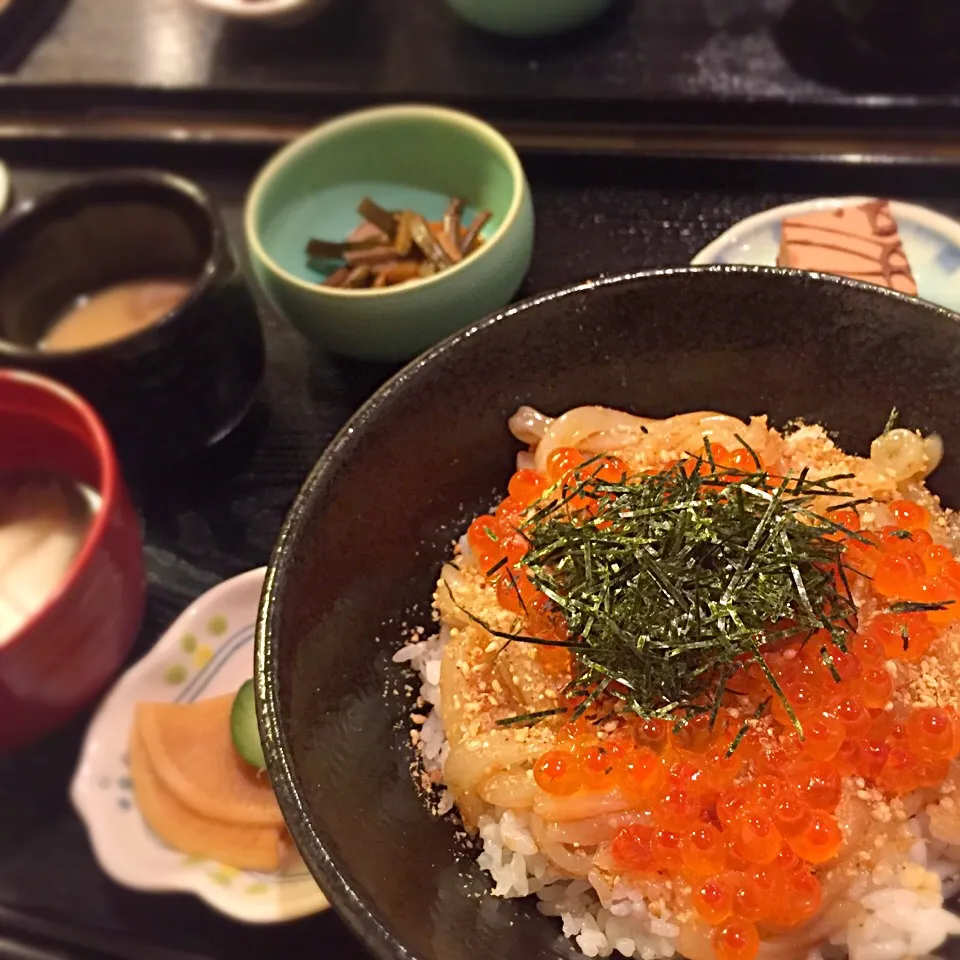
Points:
[[277, 13], [930, 240], [4, 187], [208, 651]]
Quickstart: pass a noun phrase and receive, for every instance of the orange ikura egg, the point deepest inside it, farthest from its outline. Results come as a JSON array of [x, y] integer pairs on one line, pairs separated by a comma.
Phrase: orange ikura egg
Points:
[[791, 815], [599, 765], [526, 486], [632, 848], [920, 633], [766, 792], [777, 757], [934, 557], [897, 734], [847, 666], [677, 808], [910, 515], [876, 687], [823, 736], [510, 513], [867, 649], [800, 695], [688, 774], [852, 713], [950, 573], [485, 537], [561, 461], [713, 900], [818, 783], [930, 733], [943, 591], [516, 593], [898, 575], [608, 469], [871, 756], [767, 886], [694, 736], [881, 723], [786, 860], [558, 772], [931, 773], [750, 897], [743, 459], [703, 850], [666, 851], [846, 518], [862, 557], [641, 773], [555, 660], [720, 770], [802, 897], [735, 939], [847, 758], [819, 841], [730, 804], [653, 733], [756, 838], [900, 772]]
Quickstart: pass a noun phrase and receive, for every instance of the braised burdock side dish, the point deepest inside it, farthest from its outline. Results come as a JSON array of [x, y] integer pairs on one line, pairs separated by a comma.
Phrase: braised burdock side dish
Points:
[[696, 686]]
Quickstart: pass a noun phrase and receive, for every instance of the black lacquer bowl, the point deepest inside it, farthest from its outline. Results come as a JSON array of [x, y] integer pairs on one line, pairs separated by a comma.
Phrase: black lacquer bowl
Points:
[[362, 547], [167, 391]]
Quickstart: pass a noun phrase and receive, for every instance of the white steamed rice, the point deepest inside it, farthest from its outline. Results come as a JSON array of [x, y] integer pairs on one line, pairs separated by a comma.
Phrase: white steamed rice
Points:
[[900, 913]]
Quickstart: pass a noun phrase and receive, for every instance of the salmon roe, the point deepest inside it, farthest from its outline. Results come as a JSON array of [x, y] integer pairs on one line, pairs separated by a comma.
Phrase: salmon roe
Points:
[[736, 939], [713, 900], [746, 832], [558, 772]]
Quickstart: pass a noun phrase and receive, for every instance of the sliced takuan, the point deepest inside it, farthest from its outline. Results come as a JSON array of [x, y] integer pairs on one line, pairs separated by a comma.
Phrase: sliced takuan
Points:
[[243, 847], [190, 748]]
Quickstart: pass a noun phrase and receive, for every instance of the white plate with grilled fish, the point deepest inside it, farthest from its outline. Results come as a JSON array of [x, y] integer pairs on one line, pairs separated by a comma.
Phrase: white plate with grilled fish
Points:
[[930, 241]]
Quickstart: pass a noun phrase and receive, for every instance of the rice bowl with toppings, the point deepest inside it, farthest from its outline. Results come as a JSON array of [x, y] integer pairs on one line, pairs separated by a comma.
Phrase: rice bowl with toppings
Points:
[[695, 687]]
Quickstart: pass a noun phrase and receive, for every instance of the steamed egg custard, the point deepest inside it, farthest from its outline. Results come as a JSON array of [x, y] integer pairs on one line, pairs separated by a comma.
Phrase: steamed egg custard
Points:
[[44, 521]]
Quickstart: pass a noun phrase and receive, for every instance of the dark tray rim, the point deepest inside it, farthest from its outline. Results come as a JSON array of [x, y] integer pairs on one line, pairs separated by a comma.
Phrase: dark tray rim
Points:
[[852, 126], [63, 121]]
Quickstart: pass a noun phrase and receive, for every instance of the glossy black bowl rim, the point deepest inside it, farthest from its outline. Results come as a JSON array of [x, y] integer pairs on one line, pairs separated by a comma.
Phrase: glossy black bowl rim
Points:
[[360, 916], [32, 206]]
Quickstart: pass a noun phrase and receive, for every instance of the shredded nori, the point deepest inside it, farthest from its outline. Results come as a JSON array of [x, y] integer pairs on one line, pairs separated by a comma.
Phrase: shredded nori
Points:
[[674, 582]]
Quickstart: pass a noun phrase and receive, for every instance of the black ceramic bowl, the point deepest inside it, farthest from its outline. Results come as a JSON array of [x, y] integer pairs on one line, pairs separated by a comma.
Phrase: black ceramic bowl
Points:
[[906, 32], [362, 547], [174, 387]]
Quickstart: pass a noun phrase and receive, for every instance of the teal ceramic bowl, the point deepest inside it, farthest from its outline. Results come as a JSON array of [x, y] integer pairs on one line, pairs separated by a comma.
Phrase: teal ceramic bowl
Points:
[[403, 157], [528, 18]]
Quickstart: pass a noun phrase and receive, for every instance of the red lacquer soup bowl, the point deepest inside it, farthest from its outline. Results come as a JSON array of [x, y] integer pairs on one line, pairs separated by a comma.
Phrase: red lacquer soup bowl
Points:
[[61, 657]]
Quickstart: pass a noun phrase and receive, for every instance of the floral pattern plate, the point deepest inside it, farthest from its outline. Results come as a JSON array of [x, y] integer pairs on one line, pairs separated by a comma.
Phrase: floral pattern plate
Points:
[[930, 240], [208, 651]]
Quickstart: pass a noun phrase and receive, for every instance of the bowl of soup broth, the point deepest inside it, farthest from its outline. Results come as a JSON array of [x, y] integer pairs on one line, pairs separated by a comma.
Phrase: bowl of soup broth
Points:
[[124, 287], [71, 560]]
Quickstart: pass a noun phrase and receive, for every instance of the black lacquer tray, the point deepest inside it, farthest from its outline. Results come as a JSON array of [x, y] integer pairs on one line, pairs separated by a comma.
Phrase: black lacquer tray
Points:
[[219, 517], [672, 64]]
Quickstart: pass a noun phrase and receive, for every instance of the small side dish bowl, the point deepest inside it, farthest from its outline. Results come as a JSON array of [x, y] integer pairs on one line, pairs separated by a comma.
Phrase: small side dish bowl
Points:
[[359, 556], [528, 18], [62, 657], [173, 387], [271, 13], [400, 156], [207, 651]]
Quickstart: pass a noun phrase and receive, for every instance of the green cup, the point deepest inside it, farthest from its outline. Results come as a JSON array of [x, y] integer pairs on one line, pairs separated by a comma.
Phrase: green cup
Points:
[[403, 157], [528, 18]]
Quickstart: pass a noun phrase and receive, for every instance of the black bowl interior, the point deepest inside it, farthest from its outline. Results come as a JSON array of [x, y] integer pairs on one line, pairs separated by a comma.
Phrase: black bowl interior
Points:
[[89, 236], [361, 550]]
